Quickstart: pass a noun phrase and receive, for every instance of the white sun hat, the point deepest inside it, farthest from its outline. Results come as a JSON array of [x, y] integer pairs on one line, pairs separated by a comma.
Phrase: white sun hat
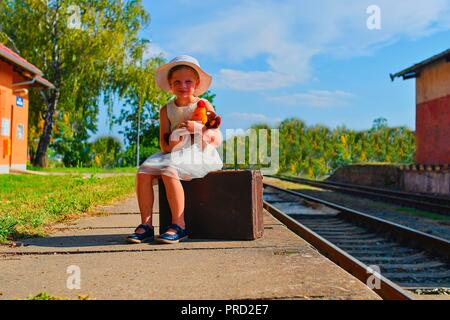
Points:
[[163, 71]]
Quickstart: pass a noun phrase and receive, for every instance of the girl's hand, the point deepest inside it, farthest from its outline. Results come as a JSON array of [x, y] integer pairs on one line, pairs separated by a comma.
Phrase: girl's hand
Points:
[[174, 142], [192, 126], [181, 125]]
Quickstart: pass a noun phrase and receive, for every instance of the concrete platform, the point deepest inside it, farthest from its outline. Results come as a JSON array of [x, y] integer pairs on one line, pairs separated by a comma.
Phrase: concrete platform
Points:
[[280, 265]]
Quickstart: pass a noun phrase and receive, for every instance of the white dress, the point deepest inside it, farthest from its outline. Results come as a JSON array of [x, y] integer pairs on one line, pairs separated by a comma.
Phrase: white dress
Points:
[[187, 160]]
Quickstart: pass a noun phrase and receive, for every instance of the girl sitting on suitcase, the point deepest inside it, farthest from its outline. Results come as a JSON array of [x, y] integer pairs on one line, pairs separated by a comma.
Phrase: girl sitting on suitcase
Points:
[[180, 159]]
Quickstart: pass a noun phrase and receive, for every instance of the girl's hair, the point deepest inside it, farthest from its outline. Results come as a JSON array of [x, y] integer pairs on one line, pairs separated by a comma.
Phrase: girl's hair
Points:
[[179, 67]]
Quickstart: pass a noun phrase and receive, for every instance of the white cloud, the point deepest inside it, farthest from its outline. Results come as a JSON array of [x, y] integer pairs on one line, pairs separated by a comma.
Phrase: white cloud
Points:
[[410, 19], [253, 117], [246, 31], [314, 98], [154, 50], [253, 80], [289, 34]]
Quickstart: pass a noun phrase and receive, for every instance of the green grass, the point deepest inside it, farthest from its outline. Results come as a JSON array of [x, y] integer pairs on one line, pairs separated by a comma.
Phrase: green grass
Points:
[[29, 203], [422, 214], [76, 170], [303, 176], [46, 296]]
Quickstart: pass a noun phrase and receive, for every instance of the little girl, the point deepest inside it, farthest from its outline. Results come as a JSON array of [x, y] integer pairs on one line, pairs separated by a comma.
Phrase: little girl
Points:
[[179, 159]]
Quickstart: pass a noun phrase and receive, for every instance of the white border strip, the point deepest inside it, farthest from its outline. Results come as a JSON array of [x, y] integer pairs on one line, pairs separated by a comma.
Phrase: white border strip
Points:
[[4, 168]]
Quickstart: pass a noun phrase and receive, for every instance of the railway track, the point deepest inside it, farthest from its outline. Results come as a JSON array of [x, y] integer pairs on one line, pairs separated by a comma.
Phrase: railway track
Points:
[[395, 261], [430, 203]]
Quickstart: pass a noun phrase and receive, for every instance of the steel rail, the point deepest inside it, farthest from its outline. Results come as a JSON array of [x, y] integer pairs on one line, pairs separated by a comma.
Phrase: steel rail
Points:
[[387, 289], [404, 235], [424, 202]]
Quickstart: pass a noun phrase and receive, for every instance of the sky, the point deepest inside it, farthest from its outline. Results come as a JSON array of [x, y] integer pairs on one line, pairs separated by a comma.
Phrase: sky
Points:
[[325, 62]]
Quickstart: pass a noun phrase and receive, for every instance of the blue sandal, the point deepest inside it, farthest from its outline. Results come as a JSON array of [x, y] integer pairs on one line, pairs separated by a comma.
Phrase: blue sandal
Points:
[[149, 234], [180, 235]]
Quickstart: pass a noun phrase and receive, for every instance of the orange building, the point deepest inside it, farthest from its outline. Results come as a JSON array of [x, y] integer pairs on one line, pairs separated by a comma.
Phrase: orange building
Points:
[[16, 76], [432, 108]]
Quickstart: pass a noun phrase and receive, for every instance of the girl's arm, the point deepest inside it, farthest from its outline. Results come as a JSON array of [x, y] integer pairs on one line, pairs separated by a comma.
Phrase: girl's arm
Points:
[[164, 127], [212, 136]]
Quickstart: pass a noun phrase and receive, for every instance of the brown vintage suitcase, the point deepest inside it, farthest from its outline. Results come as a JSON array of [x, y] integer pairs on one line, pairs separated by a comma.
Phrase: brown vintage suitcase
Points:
[[225, 204]]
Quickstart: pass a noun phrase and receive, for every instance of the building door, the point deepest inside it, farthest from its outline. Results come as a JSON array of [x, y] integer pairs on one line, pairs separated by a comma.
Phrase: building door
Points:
[[10, 151], [5, 132], [2, 106]]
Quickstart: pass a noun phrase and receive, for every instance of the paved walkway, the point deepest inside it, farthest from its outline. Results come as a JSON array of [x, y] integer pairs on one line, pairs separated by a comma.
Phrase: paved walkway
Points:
[[280, 265]]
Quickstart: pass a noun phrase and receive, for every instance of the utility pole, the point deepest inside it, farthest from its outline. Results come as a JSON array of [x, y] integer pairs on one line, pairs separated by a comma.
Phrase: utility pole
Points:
[[138, 124], [138, 133]]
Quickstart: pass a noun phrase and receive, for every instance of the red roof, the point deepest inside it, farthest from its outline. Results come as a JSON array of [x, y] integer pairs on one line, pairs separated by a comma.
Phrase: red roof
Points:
[[14, 58]]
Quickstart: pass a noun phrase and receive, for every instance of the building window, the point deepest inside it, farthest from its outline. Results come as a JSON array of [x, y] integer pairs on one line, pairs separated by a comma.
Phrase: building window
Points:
[[20, 132], [5, 127]]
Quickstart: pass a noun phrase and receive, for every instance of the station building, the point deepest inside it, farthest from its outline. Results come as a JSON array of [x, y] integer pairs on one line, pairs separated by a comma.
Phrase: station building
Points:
[[432, 108], [431, 171], [16, 76]]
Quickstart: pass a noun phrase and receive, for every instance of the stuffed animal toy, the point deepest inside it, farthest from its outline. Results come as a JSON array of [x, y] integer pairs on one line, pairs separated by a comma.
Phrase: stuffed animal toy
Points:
[[200, 113], [207, 118], [213, 120]]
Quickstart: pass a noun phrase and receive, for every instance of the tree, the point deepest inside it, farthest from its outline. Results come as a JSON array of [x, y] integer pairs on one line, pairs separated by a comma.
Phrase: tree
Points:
[[293, 145], [145, 99], [208, 95], [317, 151], [83, 60], [379, 123], [106, 151]]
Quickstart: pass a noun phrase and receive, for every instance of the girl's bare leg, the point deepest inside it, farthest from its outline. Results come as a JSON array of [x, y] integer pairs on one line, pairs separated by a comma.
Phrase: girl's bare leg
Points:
[[175, 197], [145, 195]]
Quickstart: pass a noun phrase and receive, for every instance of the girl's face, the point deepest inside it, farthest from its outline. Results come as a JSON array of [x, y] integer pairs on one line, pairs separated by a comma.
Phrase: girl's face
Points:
[[183, 83]]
